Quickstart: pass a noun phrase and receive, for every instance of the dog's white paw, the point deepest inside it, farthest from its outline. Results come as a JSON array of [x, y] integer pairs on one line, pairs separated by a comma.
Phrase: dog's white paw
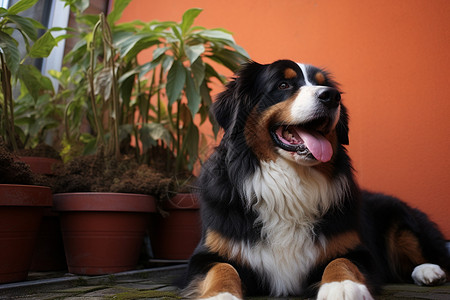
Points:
[[223, 296], [348, 290], [428, 274]]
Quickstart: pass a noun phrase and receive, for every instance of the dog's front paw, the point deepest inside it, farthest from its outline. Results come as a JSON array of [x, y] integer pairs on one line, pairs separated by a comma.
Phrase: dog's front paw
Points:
[[428, 274], [344, 290], [222, 296]]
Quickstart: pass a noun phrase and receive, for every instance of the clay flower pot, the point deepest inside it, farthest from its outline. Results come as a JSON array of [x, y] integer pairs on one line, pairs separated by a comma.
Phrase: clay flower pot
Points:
[[175, 236], [49, 251], [40, 165], [21, 210], [103, 232]]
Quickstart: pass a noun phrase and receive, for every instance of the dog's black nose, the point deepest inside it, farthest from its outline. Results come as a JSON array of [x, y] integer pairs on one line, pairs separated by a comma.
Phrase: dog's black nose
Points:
[[330, 97]]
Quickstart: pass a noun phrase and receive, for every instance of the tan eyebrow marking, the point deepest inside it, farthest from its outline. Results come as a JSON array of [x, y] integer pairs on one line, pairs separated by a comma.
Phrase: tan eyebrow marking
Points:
[[289, 73], [320, 78]]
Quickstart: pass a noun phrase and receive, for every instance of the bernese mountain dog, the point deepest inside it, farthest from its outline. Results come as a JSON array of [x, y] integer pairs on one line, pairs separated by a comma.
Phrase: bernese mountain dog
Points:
[[281, 211]]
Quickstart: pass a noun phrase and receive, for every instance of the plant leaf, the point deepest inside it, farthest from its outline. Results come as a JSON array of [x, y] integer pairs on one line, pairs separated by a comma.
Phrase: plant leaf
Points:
[[205, 92], [241, 51], [192, 95], [176, 79], [126, 89], [217, 34], [103, 82], [21, 6], [25, 25], [77, 6], [147, 67], [116, 13], [230, 59], [89, 20], [198, 70], [188, 19], [193, 52], [158, 132], [43, 46], [33, 80], [125, 130], [36, 24], [131, 45], [177, 35], [90, 142], [159, 51], [152, 132], [9, 47], [190, 145], [211, 72]]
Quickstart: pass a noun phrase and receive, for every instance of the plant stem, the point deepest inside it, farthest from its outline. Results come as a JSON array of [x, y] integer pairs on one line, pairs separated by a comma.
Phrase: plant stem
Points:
[[99, 127], [178, 164], [7, 97], [107, 38], [150, 93], [161, 76]]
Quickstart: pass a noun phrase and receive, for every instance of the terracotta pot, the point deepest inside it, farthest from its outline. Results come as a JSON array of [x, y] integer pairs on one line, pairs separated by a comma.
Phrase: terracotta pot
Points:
[[176, 235], [40, 165], [103, 232], [49, 251], [21, 210]]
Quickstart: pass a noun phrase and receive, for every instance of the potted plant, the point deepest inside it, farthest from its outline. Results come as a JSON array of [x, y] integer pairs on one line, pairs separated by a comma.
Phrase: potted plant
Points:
[[103, 216], [178, 98], [22, 205], [26, 118], [22, 201], [158, 106]]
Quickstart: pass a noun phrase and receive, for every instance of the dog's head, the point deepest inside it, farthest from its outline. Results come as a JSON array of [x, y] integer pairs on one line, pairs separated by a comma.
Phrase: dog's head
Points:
[[284, 109]]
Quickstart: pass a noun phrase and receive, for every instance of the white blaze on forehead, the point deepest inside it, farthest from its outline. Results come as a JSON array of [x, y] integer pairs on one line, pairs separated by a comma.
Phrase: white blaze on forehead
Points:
[[305, 74]]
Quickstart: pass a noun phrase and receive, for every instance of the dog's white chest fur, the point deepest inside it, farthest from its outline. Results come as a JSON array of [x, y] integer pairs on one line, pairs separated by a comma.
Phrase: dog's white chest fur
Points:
[[288, 199]]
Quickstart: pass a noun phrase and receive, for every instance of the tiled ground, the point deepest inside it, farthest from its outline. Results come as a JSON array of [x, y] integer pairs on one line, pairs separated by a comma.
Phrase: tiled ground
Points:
[[152, 284]]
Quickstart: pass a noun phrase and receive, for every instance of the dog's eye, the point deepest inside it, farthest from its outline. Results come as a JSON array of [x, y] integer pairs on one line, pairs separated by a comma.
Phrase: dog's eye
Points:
[[283, 86]]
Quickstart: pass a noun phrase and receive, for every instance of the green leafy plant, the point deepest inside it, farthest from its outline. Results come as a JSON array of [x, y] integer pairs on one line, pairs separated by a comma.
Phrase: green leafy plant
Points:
[[159, 104], [177, 98], [29, 115], [90, 84]]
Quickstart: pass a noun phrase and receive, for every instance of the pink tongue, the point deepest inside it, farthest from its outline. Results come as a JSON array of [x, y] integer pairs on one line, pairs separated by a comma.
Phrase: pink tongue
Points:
[[317, 144]]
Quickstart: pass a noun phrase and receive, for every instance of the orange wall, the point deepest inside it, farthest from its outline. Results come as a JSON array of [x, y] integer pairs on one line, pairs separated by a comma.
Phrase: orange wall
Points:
[[392, 59]]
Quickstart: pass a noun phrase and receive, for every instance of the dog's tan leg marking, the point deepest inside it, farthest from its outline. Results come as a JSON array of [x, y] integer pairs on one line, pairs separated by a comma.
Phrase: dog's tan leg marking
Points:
[[223, 246], [339, 245], [404, 251], [342, 269], [222, 278]]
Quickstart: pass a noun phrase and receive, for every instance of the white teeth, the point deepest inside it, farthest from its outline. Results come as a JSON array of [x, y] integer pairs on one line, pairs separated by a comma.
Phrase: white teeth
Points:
[[287, 135]]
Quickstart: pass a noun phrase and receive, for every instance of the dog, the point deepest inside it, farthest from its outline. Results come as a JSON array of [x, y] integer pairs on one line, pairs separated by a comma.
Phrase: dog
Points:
[[281, 211]]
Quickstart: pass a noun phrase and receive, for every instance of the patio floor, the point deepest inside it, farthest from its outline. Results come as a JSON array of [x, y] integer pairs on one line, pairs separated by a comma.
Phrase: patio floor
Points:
[[155, 283]]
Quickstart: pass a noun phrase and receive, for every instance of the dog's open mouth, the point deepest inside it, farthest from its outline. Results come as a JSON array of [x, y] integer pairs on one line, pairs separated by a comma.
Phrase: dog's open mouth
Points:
[[305, 140]]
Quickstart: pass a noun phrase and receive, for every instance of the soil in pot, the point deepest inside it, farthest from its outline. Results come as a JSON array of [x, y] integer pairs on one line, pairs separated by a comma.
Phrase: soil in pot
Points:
[[14, 171], [100, 173]]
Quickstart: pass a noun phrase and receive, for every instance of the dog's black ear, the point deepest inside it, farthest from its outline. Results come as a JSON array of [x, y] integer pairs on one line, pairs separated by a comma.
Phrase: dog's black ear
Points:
[[224, 106], [237, 95], [342, 127]]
